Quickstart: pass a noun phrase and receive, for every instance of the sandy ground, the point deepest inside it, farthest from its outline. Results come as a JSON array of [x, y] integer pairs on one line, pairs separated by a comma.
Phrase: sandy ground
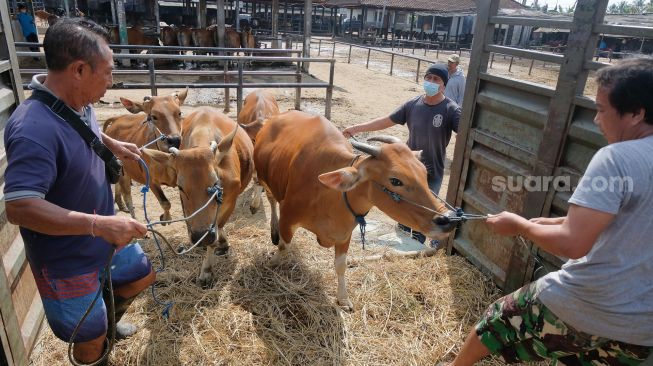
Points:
[[360, 95]]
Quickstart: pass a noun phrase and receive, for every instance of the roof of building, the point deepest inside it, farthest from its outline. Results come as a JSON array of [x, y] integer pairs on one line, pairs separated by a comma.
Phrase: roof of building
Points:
[[434, 6]]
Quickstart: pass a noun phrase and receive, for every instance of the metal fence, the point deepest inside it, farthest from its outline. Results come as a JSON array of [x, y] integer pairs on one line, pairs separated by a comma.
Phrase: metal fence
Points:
[[238, 72]]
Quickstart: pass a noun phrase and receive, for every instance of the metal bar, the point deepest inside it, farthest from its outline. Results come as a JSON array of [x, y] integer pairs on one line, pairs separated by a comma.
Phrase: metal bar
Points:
[[533, 22], [367, 65], [227, 97], [298, 90], [153, 89], [329, 92], [419, 64], [180, 48], [530, 69], [392, 63], [196, 57], [349, 56], [510, 65], [624, 30], [239, 91], [319, 47], [541, 56], [333, 51]]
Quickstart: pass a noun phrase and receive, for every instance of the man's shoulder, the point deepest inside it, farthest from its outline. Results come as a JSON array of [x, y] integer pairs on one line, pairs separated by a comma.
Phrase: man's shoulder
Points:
[[34, 121]]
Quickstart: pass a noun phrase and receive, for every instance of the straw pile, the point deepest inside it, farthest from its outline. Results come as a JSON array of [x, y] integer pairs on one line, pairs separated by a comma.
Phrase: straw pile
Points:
[[408, 311]]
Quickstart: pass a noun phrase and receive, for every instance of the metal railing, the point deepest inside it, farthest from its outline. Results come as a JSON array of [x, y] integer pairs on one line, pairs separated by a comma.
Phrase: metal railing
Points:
[[239, 84], [392, 54]]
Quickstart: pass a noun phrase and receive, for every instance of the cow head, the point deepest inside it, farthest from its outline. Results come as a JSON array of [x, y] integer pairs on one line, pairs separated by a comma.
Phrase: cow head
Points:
[[199, 173], [163, 116], [397, 186]]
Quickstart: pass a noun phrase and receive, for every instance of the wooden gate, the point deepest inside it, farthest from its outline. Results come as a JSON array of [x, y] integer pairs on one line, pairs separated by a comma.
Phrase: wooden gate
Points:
[[515, 128], [21, 311]]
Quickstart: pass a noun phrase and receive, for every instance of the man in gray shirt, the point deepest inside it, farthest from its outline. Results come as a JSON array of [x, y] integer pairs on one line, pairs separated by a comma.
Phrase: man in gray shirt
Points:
[[431, 118], [598, 308]]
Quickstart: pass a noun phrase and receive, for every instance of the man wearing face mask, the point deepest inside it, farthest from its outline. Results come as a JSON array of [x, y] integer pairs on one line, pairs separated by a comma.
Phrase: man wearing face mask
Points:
[[431, 118]]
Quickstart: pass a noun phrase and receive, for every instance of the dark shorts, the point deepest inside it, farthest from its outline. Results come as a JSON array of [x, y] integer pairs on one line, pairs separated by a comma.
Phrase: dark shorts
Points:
[[521, 329], [65, 300]]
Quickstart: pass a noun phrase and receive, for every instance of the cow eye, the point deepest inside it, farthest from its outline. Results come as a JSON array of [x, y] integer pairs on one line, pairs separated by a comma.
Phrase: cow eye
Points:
[[179, 113], [153, 118], [396, 182]]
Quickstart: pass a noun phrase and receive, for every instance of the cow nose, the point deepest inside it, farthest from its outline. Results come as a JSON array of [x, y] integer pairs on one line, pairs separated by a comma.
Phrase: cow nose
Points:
[[208, 239], [174, 141], [445, 222]]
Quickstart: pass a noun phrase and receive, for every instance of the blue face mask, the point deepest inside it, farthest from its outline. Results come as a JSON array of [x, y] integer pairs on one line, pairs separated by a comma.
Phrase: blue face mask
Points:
[[431, 88]]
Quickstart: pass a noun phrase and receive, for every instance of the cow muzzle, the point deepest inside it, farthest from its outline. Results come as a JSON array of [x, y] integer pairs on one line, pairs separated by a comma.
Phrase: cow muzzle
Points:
[[208, 239], [174, 141], [445, 222]]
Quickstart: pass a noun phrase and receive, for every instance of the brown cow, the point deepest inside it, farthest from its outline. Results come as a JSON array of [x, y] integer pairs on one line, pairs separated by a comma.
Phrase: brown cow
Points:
[[215, 153], [160, 115], [185, 36], [169, 36], [307, 165], [204, 37], [258, 106]]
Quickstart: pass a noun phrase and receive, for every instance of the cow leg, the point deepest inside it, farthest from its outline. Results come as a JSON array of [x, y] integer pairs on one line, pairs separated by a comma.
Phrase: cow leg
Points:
[[163, 201], [274, 218], [285, 231], [206, 273], [117, 197], [125, 184], [223, 243], [341, 265], [256, 195]]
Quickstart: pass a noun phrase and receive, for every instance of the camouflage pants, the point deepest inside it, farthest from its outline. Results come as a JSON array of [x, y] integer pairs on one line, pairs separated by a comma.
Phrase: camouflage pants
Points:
[[521, 329]]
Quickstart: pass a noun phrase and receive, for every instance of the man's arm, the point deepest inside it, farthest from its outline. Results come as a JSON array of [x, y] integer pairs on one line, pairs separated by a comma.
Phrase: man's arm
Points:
[[572, 238], [374, 125], [44, 217], [123, 150]]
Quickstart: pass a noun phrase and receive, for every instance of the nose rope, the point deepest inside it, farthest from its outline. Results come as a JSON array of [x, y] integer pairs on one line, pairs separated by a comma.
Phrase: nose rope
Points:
[[216, 193]]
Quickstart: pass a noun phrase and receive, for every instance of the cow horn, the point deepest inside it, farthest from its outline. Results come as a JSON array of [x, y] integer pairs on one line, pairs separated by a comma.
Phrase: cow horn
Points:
[[385, 138], [214, 146], [174, 151], [369, 149]]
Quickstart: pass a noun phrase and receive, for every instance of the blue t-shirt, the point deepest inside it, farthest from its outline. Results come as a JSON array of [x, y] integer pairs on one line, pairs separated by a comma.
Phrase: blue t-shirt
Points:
[[47, 158], [26, 23]]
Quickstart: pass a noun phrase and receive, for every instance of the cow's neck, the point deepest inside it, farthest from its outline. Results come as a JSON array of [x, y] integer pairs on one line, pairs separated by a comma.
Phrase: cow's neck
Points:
[[358, 197]]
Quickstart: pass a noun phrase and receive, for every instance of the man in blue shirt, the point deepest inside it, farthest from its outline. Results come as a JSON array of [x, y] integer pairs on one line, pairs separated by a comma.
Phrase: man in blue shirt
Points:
[[27, 26], [56, 190]]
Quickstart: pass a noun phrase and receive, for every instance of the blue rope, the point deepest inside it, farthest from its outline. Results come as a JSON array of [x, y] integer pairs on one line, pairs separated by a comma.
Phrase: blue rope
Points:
[[146, 188], [360, 219]]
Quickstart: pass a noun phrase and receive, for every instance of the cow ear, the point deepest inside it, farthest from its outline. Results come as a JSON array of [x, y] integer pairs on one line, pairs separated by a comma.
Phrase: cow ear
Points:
[[253, 128], [181, 97], [133, 107], [418, 154], [342, 180]]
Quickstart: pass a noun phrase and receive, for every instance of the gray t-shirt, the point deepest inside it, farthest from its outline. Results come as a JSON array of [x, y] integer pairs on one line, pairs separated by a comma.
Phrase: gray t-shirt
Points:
[[609, 292], [429, 130]]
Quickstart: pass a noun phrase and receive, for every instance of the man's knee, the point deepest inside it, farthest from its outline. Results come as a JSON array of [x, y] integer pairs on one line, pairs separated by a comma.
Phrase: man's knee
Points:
[[136, 287]]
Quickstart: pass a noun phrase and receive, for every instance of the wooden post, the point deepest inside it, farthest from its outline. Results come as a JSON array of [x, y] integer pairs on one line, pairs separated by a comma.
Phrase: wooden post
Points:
[[122, 27], [275, 17], [114, 19], [412, 23], [308, 6], [220, 19], [351, 19], [157, 16], [201, 14], [236, 13]]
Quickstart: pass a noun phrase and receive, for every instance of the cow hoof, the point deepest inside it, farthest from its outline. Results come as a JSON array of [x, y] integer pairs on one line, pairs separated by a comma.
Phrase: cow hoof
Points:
[[346, 305], [205, 280], [163, 218]]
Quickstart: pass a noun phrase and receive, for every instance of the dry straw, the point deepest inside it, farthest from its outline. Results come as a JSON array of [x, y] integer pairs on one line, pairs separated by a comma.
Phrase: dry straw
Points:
[[407, 311]]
